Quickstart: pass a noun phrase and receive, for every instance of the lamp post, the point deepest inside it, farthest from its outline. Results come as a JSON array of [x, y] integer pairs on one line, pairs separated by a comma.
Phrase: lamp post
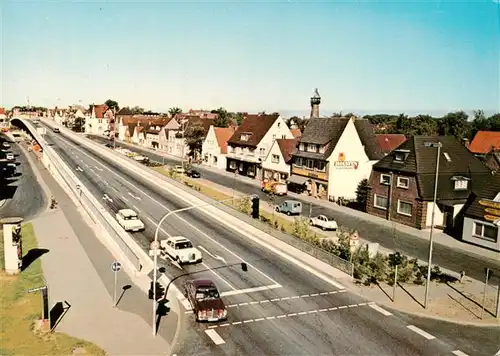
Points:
[[155, 245], [431, 234]]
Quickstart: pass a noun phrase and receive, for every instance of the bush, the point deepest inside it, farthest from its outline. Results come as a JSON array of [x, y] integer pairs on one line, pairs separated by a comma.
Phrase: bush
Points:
[[300, 227], [244, 205]]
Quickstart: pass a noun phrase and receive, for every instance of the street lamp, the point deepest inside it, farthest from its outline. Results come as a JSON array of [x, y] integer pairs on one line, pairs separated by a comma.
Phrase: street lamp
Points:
[[155, 246], [427, 145]]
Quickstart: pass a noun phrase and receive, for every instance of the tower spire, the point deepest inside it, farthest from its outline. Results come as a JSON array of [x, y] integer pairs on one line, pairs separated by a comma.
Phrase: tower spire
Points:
[[315, 101]]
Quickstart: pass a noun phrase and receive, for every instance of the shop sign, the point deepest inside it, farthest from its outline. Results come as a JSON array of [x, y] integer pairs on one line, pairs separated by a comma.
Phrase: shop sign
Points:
[[489, 203], [491, 218], [341, 162], [493, 212]]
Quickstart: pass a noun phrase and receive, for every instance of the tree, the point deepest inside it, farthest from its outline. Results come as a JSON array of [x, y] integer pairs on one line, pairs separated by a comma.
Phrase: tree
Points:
[[174, 111], [194, 137], [362, 193], [79, 123], [238, 118], [421, 125], [296, 121], [222, 119], [111, 104], [455, 124]]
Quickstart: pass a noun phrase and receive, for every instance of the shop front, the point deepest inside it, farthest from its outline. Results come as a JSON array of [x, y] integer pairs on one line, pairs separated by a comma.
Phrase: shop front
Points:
[[277, 176], [315, 183], [245, 168]]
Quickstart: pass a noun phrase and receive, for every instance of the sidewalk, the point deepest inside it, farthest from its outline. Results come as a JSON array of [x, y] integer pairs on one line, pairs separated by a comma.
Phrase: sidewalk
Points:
[[77, 270]]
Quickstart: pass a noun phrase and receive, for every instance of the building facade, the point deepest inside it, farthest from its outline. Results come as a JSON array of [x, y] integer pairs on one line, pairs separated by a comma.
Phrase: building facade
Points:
[[214, 149], [277, 166]]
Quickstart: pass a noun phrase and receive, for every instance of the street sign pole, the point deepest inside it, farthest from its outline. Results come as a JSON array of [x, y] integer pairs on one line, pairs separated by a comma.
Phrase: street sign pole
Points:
[[115, 267], [487, 270], [114, 294]]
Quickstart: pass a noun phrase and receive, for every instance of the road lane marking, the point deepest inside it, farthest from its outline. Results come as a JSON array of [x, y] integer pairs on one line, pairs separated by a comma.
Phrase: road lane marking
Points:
[[217, 257], [116, 190], [151, 220], [220, 277], [460, 353], [136, 208], [283, 299], [250, 290], [290, 315], [99, 169], [420, 332], [380, 310], [212, 334], [124, 199]]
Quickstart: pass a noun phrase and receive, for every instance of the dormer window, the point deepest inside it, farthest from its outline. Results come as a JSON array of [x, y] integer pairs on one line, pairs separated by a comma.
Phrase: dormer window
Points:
[[460, 183], [245, 137], [301, 147], [400, 156], [311, 147]]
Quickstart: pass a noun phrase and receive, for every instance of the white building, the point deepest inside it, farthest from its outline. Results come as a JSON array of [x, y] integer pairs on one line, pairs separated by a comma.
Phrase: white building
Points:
[[277, 166], [214, 149], [251, 142], [99, 121]]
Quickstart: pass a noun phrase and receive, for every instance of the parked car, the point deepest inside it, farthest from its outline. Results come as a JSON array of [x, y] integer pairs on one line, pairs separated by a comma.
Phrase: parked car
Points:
[[56, 130], [181, 250], [290, 207], [5, 145], [205, 300], [9, 156], [179, 169], [323, 222], [129, 220], [192, 173], [140, 158]]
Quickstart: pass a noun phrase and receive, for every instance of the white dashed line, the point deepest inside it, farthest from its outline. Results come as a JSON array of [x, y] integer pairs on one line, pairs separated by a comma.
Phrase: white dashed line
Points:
[[380, 310], [236, 323], [281, 316], [212, 334], [292, 314], [420, 332], [459, 353], [247, 321], [124, 199], [260, 319], [286, 298], [270, 318], [136, 209], [114, 188]]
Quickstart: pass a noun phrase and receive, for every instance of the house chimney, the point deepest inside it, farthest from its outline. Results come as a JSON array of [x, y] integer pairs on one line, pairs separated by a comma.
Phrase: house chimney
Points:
[[466, 142]]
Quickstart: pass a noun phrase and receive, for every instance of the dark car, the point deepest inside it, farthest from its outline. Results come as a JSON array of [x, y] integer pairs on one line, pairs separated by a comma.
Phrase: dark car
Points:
[[193, 173], [205, 300], [56, 130]]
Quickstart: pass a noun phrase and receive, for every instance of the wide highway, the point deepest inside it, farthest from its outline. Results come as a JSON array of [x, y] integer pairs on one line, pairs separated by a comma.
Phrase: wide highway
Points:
[[443, 256], [275, 308]]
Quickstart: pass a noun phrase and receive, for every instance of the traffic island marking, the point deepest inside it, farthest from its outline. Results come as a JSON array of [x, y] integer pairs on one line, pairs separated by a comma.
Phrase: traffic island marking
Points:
[[421, 332]]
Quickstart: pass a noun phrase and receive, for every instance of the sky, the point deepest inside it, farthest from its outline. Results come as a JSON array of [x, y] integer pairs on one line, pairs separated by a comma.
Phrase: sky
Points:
[[365, 57]]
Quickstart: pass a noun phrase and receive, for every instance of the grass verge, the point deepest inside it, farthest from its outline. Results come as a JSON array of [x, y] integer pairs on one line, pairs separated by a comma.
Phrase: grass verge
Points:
[[272, 219], [19, 311]]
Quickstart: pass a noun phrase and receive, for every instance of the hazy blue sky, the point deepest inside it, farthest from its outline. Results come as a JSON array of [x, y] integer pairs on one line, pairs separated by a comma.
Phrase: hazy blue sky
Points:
[[424, 56]]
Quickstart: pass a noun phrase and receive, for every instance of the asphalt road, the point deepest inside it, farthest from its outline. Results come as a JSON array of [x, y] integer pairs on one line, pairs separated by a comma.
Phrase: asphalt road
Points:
[[443, 256], [296, 314], [24, 195]]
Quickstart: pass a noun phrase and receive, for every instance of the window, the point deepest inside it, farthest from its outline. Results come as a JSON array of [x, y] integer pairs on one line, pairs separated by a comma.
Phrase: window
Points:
[[322, 149], [486, 231], [232, 165], [274, 138], [238, 150], [262, 151], [312, 148], [385, 179], [299, 162], [321, 166], [310, 163], [461, 184], [404, 208], [380, 202], [244, 137], [275, 159], [301, 147], [403, 182], [283, 137], [232, 149], [400, 157]]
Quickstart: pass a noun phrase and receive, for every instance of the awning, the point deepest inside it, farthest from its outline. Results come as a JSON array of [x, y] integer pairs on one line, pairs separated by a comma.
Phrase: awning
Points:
[[297, 179]]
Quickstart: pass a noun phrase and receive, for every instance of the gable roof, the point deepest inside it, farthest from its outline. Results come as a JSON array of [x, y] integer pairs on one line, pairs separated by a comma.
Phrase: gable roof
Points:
[[296, 133], [488, 191], [100, 110], [366, 132], [223, 134], [485, 141], [455, 161], [125, 112], [287, 146], [388, 142], [255, 125]]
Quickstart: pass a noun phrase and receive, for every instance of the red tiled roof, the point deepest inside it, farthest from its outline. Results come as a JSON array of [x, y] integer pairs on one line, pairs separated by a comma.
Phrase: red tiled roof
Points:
[[255, 125], [2, 111], [287, 145], [223, 134], [388, 142], [100, 110], [485, 141], [296, 133]]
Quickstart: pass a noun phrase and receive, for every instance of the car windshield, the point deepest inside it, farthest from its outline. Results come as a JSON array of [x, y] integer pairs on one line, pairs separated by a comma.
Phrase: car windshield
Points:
[[183, 245], [130, 217], [207, 294]]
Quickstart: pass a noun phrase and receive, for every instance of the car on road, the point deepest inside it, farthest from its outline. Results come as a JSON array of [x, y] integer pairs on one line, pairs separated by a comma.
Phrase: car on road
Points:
[[181, 250], [179, 169], [129, 220], [56, 130], [205, 300], [323, 222], [140, 158], [5, 145], [192, 173], [290, 207], [9, 156]]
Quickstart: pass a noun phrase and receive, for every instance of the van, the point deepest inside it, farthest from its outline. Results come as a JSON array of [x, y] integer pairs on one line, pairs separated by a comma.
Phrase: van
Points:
[[290, 207]]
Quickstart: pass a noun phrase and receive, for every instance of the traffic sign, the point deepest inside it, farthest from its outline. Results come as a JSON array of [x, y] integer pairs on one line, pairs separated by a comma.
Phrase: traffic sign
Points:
[[116, 266], [155, 245]]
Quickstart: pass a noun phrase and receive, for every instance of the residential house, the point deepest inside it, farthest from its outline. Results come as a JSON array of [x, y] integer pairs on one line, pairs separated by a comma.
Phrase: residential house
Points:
[[296, 132], [4, 121], [334, 154], [402, 183], [251, 142], [98, 123], [480, 217], [138, 135], [486, 146], [176, 138], [170, 125], [388, 142], [214, 149], [276, 166]]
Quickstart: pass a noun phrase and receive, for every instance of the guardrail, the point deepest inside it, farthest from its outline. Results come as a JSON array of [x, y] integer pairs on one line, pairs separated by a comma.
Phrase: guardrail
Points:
[[196, 198], [137, 257]]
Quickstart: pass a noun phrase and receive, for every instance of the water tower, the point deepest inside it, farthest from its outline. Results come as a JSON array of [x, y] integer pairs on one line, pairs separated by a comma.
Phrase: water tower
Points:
[[315, 101]]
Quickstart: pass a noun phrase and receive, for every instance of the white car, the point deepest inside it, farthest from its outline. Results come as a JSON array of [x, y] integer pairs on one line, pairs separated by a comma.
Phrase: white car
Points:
[[323, 222], [140, 158], [5, 145], [129, 220], [179, 169], [181, 250], [9, 156]]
